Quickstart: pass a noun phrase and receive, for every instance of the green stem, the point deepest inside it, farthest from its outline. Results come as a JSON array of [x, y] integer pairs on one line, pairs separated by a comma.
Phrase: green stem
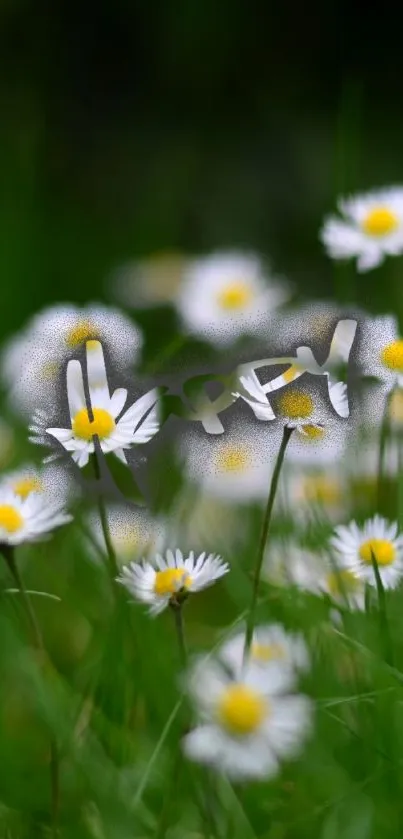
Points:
[[110, 552], [263, 537], [180, 632], [383, 617], [8, 553], [385, 428]]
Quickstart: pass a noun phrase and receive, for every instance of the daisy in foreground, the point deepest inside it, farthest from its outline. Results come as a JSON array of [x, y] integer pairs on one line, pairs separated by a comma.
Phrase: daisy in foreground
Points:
[[280, 654], [29, 518], [226, 295], [371, 229], [170, 579], [116, 432], [246, 728], [355, 546]]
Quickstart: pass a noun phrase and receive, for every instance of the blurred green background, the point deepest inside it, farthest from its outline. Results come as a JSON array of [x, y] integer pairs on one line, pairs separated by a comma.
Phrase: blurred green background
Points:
[[129, 128]]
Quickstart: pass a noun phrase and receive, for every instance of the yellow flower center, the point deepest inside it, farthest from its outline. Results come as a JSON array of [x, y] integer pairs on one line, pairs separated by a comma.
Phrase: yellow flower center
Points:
[[25, 486], [321, 490], [342, 581], [241, 710], [236, 295], [103, 424], [312, 432], [232, 459], [383, 551], [81, 332], [10, 518], [392, 355], [171, 580], [296, 404], [267, 652], [380, 221], [396, 407]]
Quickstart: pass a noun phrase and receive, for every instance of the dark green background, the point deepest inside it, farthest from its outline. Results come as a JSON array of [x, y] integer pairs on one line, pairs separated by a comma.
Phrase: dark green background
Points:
[[127, 128]]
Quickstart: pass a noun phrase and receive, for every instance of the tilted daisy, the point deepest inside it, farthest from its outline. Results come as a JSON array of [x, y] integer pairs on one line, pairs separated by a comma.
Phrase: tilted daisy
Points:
[[226, 295], [133, 532], [282, 655], [32, 360], [380, 350], [371, 229], [152, 281], [245, 729], [168, 580], [354, 547], [117, 432], [29, 519]]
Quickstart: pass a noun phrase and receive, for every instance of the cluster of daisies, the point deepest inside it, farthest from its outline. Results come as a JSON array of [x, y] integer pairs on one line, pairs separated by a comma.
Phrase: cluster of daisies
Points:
[[251, 711]]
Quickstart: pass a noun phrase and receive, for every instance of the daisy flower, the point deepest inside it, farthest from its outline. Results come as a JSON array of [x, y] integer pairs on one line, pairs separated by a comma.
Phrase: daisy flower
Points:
[[170, 579], [344, 587], [280, 654], [31, 362], [226, 295], [354, 547], [28, 519], [153, 281], [286, 563], [236, 466], [133, 532], [307, 491], [245, 729], [53, 481], [117, 432], [371, 228], [380, 350]]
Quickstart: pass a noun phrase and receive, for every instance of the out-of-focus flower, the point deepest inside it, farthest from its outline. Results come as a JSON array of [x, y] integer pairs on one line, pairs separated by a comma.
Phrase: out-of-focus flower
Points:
[[280, 654], [344, 587], [134, 533], [29, 519], [7, 443], [286, 563], [308, 493], [371, 229], [380, 351], [205, 522], [116, 432], [355, 546], [246, 729], [170, 579], [236, 466], [32, 360], [53, 480], [226, 295], [317, 321], [153, 281]]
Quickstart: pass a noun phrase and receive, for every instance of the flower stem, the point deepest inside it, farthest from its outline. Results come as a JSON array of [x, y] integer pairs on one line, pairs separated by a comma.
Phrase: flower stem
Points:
[[263, 537], [110, 553], [180, 632], [8, 553], [385, 428]]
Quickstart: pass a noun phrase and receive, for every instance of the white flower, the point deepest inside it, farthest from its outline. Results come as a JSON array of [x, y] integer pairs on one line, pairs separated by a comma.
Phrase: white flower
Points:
[[133, 532], [372, 228], [28, 519], [288, 563], [280, 654], [152, 281], [53, 481], [32, 360], [344, 587], [245, 729], [115, 434], [316, 444], [309, 492], [227, 295], [170, 578], [380, 350], [354, 547], [236, 466]]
